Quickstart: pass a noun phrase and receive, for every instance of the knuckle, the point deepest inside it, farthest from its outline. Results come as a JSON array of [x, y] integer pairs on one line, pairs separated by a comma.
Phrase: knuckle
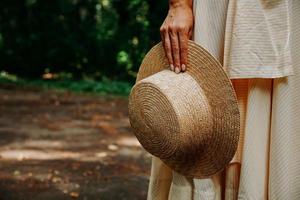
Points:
[[166, 27], [162, 28], [182, 27], [174, 27], [173, 30]]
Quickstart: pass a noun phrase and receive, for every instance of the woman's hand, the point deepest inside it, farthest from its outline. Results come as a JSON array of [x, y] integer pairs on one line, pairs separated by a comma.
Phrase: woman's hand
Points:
[[175, 32]]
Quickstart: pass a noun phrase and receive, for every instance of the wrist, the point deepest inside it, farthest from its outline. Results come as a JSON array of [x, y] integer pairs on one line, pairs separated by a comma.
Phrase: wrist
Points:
[[180, 4]]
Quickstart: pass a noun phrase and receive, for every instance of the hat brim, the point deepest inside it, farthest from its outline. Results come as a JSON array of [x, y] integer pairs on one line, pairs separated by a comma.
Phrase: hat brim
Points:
[[212, 78]]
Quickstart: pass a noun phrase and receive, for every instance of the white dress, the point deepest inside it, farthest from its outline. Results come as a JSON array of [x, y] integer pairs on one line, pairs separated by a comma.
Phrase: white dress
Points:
[[258, 42]]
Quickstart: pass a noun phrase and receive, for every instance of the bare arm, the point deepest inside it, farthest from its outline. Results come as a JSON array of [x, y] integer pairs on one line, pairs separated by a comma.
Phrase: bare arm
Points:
[[175, 31]]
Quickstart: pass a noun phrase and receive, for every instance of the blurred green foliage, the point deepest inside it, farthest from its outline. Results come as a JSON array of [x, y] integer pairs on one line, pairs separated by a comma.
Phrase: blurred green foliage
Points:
[[78, 39], [103, 87]]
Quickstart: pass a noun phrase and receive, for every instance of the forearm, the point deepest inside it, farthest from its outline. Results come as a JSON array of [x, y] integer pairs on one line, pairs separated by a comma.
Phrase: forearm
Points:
[[180, 3]]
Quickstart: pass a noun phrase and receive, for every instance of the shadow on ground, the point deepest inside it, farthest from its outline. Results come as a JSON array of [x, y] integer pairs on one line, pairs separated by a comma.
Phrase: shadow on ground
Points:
[[59, 145]]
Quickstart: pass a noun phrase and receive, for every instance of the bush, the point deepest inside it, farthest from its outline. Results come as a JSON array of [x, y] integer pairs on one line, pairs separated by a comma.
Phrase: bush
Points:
[[84, 38]]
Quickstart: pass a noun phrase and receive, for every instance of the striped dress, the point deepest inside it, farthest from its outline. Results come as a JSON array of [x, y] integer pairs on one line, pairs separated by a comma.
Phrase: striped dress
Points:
[[258, 42]]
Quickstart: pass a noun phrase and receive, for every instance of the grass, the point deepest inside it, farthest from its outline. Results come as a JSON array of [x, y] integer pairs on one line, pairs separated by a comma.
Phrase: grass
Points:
[[86, 86]]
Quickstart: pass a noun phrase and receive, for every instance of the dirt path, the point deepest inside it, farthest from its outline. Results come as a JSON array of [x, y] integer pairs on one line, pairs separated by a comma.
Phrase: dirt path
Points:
[[58, 145]]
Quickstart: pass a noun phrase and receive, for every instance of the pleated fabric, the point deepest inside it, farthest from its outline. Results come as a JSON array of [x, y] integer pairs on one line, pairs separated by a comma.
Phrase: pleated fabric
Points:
[[284, 181], [267, 162]]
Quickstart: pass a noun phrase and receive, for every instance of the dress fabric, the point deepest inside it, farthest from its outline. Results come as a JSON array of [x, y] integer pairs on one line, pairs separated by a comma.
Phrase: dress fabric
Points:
[[266, 164]]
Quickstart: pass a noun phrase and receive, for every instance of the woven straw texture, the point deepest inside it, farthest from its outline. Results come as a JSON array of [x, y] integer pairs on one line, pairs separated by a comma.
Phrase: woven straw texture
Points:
[[189, 120]]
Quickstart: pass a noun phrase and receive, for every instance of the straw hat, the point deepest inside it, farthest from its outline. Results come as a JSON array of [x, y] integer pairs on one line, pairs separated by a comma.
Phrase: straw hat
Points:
[[189, 120]]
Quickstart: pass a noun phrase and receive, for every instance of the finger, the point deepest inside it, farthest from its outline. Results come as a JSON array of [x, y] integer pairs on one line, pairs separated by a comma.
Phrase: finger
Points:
[[190, 34], [162, 31], [175, 50], [183, 44], [163, 41], [168, 49]]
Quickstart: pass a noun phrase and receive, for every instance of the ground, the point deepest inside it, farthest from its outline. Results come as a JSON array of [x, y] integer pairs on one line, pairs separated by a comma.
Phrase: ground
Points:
[[62, 145]]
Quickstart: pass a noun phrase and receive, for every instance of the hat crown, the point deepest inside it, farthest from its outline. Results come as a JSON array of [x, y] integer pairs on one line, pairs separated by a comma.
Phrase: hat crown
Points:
[[170, 110]]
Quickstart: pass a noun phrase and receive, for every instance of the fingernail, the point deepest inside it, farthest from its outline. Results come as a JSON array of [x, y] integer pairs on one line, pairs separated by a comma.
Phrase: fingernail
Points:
[[183, 67], [172, 67], [177, 70]]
